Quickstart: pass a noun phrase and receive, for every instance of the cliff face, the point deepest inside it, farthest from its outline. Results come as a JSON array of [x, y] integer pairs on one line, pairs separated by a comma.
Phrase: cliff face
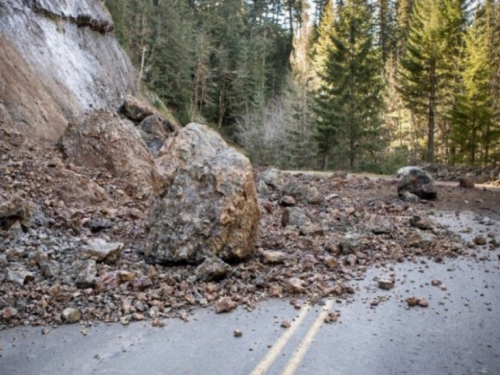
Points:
[[59, 60]]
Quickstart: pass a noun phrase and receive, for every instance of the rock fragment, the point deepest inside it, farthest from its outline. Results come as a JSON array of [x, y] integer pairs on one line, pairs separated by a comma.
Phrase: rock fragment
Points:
[[416, 181], [100, 250], [480, 240], [86, 273], [386, 284], [212, 268], [294, 217], [285, 324], [19, 275], [224, 304], [237, 333], [71, 315], [466, 182], [296, 285]]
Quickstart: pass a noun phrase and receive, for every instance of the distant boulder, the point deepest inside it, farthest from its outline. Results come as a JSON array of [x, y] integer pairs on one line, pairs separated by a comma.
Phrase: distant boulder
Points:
[[466, 182], [205, 202], [416, 181]]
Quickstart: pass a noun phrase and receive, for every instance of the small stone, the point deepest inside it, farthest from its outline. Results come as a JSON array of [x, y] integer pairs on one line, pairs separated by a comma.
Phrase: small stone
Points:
[[386, 284], [332, 317], [274, 257], [19, 276], [296, 285], [422, 302], [288, 201], [212, 268], [480, 240], [51, 269], [276, 291], [380, 225], [466, 182], [435, 282], [237, 333], [45, 331], [87, 271], [71, 315], [331, 262], [350, 243], [138, 317], [286, 324], [99, 250], [423, 223], [224, 304], [9, 313], [412, 301]]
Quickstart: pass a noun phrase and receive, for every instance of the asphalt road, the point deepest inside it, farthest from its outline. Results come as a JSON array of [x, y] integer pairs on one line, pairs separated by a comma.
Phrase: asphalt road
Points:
[[459, 333]]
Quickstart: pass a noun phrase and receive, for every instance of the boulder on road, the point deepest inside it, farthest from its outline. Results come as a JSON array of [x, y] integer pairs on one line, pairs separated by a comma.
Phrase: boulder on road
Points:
[[205, 203], [416, 181]]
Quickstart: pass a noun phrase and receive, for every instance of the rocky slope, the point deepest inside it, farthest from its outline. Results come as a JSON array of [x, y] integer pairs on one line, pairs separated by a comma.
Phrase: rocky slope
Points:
[[59, 60]]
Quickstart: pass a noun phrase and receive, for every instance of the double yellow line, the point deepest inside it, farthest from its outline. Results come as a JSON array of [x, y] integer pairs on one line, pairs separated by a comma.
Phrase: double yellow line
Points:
[[304, 345]]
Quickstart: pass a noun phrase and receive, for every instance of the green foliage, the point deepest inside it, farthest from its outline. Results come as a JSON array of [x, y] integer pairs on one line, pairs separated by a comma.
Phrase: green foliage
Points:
[[348, 101]]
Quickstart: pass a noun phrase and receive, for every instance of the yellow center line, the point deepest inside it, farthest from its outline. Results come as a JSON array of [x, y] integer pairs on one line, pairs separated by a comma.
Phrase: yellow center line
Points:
[[268, 360], [294, 362]]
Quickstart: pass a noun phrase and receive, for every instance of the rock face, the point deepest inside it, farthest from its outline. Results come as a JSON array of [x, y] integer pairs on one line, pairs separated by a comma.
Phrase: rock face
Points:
[[103, 140], [59, 60], [205, 200], [416, 181]]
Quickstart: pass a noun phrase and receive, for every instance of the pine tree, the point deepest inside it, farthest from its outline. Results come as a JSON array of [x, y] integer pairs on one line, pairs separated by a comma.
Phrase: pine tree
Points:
[[348, 102]]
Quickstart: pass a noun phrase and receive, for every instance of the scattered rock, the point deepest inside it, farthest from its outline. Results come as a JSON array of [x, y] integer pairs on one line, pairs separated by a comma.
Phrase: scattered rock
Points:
[[435, 282], [423, 223], [412, 301], [274, 257], [386, 284], [9, 313], [421, 238], [285, 324], [86, 271], [272, 177], [350, 243], [288, 201], [212, 268], [331, 262], [480, 240], [224, 304], [205, 200], [332, 317], [466, 182], [296, 285], [237, 333], [380, 225], [416, 181], [100, 250], [71, 315], [19, 275], [293, 216]]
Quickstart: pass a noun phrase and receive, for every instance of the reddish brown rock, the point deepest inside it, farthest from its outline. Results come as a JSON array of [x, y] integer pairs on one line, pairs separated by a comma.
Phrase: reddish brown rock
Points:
[[225, 304]]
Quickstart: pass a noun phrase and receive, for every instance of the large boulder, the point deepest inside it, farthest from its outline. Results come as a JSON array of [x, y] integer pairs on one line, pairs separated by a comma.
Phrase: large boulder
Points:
[[416, 181], [102, 140], [205, 202]]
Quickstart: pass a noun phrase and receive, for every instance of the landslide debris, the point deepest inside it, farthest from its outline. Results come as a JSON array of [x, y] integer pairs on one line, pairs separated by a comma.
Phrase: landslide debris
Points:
[[79, 253]]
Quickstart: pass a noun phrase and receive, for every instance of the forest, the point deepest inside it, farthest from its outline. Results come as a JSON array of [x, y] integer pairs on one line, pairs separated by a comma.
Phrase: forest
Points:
[[326, 84]]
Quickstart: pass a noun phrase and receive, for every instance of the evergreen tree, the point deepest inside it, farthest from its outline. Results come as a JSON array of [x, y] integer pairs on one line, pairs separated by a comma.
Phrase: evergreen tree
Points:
[[348, 102]]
